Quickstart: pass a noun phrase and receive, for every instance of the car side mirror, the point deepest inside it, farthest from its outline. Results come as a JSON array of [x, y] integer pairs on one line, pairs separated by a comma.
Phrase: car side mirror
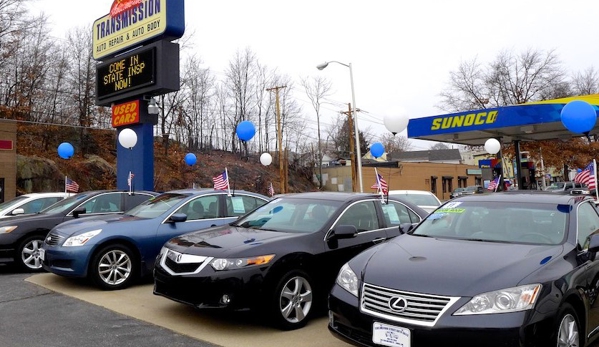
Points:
[[405, 227], [78, 211], [344, 232], [17, 211], [594, 243], [178, 217]]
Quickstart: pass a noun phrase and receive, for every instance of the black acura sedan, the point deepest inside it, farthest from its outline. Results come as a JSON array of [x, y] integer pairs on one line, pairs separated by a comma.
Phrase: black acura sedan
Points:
[[282, 258], [505, 269], [21, 237]]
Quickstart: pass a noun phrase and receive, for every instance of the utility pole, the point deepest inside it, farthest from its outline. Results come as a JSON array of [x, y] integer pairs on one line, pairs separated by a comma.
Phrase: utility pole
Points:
[[352, 152], [544, 185], [283, 184]]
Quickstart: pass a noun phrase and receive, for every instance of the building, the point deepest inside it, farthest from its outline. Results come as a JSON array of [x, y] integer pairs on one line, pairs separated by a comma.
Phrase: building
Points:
[[8, 159]]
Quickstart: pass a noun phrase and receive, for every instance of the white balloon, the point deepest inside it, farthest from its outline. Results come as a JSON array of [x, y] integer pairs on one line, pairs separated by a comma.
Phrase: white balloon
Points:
[[266, 159], [492, 146], [396, 124], [127, 138]]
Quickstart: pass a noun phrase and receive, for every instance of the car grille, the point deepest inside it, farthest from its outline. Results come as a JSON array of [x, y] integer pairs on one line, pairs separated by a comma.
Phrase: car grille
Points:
[[181, 268], [405, 307], [177, 263], [53, 239]]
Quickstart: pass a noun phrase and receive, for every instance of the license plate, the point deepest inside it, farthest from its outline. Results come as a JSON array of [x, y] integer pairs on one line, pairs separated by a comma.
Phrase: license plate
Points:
[[42, 254], [389, 335]]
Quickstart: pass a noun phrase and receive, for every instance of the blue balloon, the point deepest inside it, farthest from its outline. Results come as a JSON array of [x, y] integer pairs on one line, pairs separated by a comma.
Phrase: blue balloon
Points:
[[377, 149], [65, 150], [578, 170], [190, 159], [579, 116], [246, 130]]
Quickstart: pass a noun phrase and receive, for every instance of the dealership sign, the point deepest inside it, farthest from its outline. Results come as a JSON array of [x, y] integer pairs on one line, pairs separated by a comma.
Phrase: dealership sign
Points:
[[131, 23]]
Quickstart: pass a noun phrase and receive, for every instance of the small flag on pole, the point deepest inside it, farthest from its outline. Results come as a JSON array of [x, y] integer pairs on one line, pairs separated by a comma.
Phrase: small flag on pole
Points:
[[271, 190], [70, 186], [130, 181], [221, 182], [381, 184], [494, 184]]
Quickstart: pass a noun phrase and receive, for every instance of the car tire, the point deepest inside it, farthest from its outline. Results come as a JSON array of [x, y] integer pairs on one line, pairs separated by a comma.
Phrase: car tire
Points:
[[567, 328], [28, 254], [291, 302], [113, 267]]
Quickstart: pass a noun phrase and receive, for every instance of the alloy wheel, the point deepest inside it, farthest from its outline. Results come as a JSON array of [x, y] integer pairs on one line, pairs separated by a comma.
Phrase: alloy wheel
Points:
[[295, 299], [30, 254], [114, 267], [568, 332]]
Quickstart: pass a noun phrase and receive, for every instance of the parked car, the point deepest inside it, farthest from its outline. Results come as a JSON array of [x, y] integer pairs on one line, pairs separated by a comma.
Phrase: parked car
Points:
[[30, 203], [473, 190], [115, 251], [21, 237], [456, 192], [564, 187], [422, 198], [280, 260], [507, 269]]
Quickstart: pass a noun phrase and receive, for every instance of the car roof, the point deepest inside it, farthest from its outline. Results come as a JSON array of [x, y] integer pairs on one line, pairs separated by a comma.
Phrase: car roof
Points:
[[46, 194], [336, 196], [408, 191], [532, 196], [204, 191]]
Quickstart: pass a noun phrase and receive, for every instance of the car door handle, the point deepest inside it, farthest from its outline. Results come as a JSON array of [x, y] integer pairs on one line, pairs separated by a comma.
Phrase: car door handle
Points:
[[379, 240]]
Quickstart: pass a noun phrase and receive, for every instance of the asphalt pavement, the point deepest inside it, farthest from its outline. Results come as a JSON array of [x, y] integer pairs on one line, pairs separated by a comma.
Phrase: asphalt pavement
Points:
[[35, 316], [51, 311]]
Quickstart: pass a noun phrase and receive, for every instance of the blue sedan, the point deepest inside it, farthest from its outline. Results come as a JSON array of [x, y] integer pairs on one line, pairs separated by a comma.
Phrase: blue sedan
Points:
[[116, 251]]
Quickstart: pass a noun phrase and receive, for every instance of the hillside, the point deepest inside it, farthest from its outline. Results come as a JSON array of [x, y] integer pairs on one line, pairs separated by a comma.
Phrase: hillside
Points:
[[93, 166]]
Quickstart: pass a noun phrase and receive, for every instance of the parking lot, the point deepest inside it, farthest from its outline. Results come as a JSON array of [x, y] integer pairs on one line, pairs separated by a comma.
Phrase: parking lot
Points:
[[141, 318]]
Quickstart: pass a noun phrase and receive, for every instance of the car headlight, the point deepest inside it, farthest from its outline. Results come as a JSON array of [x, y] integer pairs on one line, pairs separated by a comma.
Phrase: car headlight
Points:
[[502, 301], [222, 264], [348, 280], [163, 251], [80, 240], [8, 229]]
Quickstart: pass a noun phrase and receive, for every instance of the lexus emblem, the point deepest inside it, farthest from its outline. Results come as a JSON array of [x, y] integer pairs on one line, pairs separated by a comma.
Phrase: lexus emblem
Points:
[[398, 304]]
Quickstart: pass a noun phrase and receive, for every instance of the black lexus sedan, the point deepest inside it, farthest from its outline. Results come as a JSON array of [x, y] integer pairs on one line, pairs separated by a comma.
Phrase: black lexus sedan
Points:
[[281, 259], [21, 238], [508, 269]]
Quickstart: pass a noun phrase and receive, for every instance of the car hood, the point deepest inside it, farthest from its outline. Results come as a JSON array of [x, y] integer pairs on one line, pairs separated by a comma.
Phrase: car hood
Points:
[[455, 267], [234, 241], [81, 225]]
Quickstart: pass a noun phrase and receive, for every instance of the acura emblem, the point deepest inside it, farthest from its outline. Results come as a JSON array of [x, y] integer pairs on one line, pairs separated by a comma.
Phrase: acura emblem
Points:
[[398, 304], [179, 256]]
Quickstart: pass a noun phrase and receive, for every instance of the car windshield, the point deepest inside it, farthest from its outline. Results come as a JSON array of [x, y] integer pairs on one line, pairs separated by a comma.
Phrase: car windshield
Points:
[[156, 206], [418, 199], [290, 215], [12, 202], [556, 186], [65, 204], [471, 189], [497, 222]]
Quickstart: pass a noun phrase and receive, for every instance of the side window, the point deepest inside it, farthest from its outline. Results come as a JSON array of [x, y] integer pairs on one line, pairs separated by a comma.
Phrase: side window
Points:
[[38, 205], [397, 213], [588, 222], [198, 208], [361, 215], [104, 203], [241, 204]]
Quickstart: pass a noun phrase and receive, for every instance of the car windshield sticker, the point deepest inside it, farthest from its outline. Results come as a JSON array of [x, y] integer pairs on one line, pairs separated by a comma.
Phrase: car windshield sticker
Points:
[[238, 206], [452, 204], [451, 210]]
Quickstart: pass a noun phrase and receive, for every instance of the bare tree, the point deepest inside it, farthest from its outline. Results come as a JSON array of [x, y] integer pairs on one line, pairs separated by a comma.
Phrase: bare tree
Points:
[[509, 80], [395, 143], [586, 82], [317, 89]]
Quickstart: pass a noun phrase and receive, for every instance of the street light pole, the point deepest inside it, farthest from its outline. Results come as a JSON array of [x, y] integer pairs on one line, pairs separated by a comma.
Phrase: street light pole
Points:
[[355, 116]]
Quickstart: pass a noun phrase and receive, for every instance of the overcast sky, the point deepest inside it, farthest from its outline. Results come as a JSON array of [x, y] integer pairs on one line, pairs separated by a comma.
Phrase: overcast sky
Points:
[[401, 52]]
